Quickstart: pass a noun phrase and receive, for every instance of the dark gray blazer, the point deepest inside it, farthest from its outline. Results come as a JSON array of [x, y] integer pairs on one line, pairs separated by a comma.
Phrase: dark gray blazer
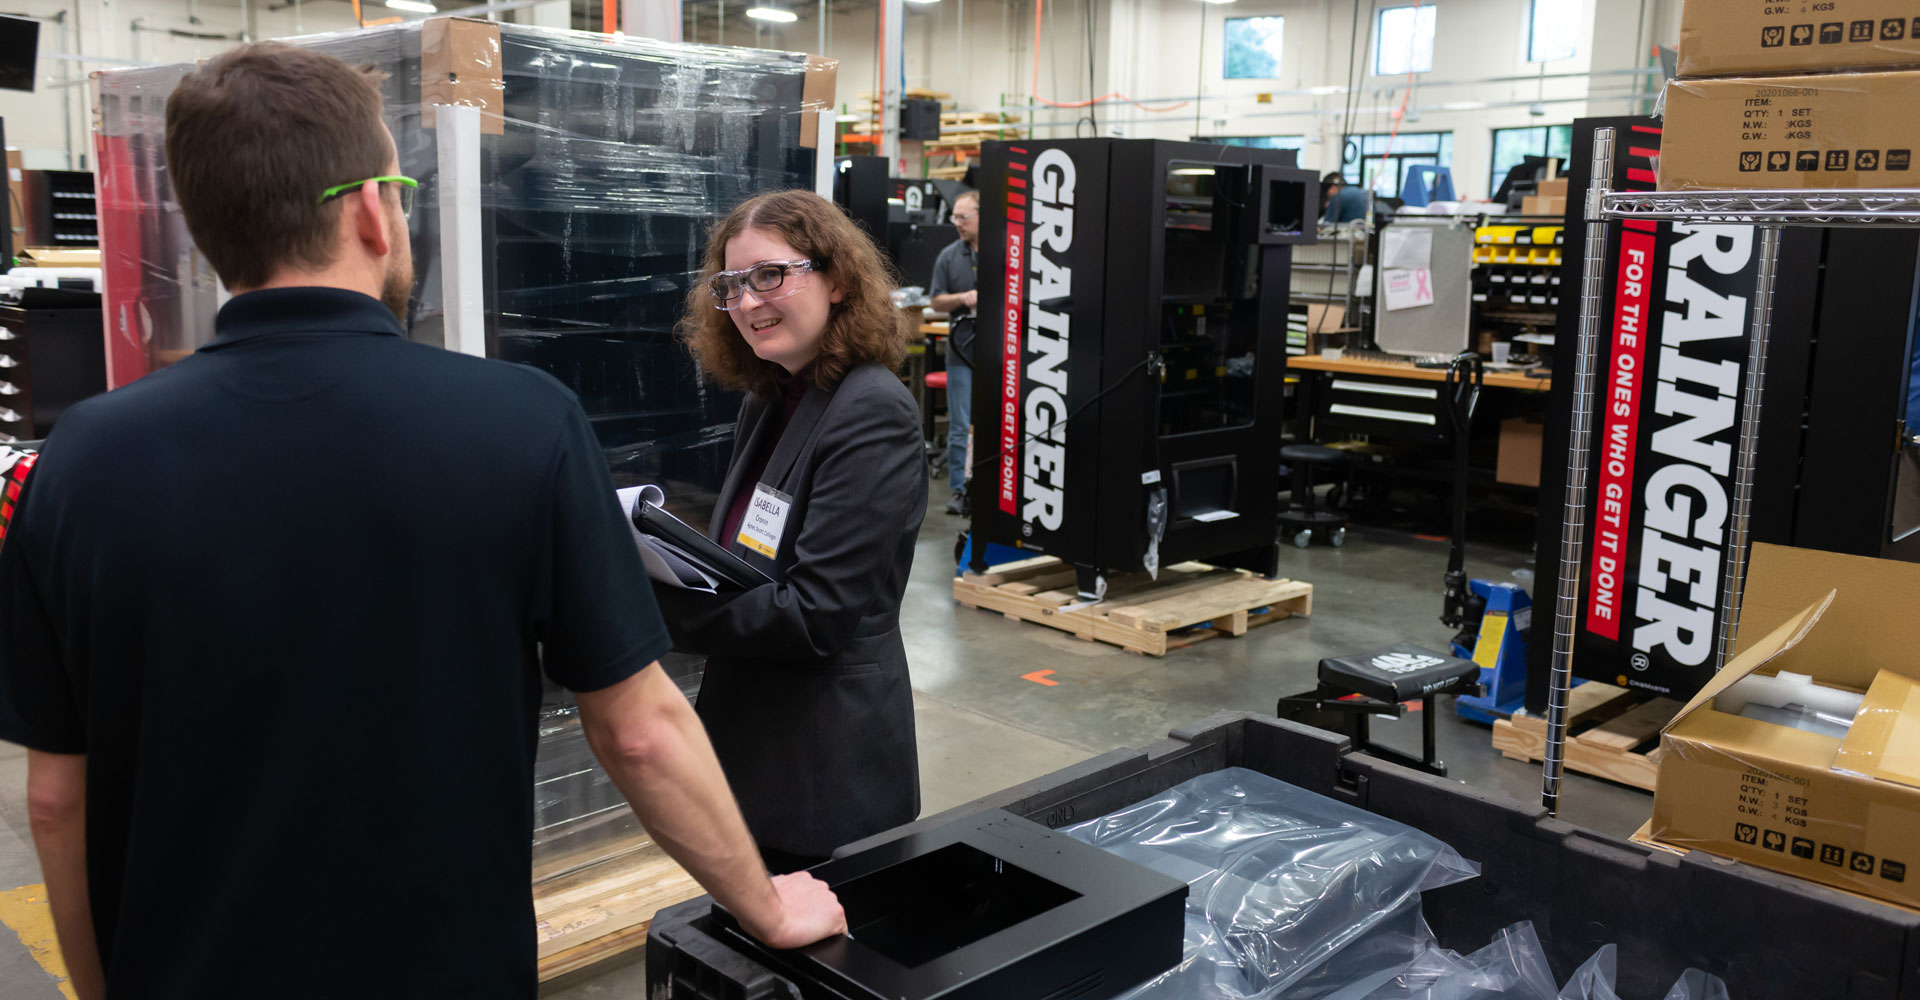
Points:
[[806, 695]]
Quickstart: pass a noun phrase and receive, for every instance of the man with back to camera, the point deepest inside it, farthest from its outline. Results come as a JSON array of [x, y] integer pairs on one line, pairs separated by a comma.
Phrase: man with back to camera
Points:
[[954, 293], [273, 619]]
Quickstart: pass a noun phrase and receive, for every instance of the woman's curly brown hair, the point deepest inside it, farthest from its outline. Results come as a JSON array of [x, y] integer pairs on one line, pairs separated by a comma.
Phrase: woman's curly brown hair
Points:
[[862, 327]]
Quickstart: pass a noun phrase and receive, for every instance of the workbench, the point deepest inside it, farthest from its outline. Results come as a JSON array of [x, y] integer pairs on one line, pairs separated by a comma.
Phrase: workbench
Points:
[[1390, 402], [1503, 379]]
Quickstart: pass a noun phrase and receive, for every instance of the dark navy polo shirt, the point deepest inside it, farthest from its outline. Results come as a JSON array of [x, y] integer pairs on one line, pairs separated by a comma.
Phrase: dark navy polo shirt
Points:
[[292, 597]]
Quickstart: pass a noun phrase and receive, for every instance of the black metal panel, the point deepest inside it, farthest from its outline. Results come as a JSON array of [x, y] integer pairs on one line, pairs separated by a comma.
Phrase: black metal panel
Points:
[[1858, 392], [1017, 910]]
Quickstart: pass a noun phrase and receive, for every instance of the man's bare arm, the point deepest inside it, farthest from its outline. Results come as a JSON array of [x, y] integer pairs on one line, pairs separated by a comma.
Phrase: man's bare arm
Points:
[[949, 301], [654, 747], [57, 812]]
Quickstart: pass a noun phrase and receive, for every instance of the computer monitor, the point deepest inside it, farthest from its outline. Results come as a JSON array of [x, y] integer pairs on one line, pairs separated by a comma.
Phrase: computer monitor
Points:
[[1520, 180], [19, 50]]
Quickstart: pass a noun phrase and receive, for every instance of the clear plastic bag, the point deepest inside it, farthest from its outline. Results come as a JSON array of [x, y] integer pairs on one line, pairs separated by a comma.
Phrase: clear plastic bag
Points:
[[1281, 879], [1595, 978], [1512, 967], [1694, 984]]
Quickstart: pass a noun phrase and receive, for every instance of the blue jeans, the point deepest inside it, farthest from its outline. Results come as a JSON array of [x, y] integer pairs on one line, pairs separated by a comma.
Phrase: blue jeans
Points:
[[959, 419]]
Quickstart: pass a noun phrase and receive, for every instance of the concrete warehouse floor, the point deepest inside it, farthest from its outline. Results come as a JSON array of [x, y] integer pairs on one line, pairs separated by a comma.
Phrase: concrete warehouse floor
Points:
[[983, 728]]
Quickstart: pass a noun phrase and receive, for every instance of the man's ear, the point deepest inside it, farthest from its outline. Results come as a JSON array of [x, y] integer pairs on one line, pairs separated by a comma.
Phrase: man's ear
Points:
[[369, 218]]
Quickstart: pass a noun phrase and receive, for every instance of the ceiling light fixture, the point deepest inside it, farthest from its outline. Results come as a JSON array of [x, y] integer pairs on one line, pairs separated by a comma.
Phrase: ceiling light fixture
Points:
[[923, 1], [773, 14], [416, 6], [1219, 1]]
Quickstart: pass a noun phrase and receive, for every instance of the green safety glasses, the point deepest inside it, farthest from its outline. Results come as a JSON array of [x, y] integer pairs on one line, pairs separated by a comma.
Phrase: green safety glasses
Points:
[[407, 186]]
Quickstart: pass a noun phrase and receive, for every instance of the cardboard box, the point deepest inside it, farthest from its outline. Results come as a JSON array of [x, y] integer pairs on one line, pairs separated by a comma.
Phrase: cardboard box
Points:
[[1729, 37], [1520, 444], [1795, 801], [1845, 130], [1552, 188], [1534, 204], [816, 96], [1327, 317]]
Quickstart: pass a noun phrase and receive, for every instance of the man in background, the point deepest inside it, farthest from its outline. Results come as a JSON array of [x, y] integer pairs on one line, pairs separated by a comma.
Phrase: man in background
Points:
[[273, 619], [955, 293], [1341, 202]]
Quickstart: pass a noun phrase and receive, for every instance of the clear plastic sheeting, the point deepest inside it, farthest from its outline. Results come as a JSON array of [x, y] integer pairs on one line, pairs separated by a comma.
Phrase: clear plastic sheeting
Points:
[[1280, 879]]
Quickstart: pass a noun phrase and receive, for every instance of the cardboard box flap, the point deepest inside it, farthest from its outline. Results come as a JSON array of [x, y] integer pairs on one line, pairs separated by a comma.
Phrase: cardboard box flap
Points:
[[1756, 656], [1885, 740], [1866, 630], [816, 96], [460, 65]]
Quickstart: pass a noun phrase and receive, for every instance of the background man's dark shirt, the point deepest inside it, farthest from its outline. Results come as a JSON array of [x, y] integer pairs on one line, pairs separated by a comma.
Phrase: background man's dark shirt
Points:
[[289, 597], [953, 271]]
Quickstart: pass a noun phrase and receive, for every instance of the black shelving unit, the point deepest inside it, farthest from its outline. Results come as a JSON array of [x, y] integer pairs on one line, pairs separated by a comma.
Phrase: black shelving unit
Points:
[[61, 211]]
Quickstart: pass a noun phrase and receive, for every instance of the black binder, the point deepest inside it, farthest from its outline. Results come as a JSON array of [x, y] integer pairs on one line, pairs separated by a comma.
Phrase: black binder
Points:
[[697, 548]]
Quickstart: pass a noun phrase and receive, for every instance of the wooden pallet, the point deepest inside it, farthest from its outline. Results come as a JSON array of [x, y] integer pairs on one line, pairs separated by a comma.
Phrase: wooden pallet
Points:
[[1608, 727], [953, 173], [604, 908], [982, 119], [1140, 614], [969, 140]]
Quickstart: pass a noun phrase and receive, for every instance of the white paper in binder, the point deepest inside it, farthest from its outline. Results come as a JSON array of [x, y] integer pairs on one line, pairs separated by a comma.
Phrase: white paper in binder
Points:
[[665, 563]]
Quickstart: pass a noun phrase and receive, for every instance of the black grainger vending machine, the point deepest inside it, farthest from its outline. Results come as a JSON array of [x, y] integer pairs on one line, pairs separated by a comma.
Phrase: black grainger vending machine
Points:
[[1129, 377]]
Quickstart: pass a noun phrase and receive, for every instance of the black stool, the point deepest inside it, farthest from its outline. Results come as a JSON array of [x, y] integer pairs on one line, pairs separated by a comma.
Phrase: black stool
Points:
[[1303, 512], [1369, 684]]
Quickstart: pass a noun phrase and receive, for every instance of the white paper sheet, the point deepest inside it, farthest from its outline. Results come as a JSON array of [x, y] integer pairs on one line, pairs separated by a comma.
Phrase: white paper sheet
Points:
[[665, 563], [1405, 288], [1406, 247]]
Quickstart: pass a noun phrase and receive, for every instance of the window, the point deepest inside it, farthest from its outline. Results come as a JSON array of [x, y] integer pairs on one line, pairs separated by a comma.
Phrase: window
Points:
[[1257, 141], [1553, 31], [1379, 161], [1404, 41], [1253, 47], [1511, 147]]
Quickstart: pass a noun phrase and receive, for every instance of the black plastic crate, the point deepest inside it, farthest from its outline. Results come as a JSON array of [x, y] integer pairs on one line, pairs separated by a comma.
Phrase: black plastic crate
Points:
[[1768, 935]]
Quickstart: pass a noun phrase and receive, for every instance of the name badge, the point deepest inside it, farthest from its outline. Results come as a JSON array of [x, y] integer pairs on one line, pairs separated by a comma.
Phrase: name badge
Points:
[[766, 518]]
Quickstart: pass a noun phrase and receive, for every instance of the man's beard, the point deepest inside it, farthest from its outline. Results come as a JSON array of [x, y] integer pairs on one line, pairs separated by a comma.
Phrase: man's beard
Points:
[[396, 291]]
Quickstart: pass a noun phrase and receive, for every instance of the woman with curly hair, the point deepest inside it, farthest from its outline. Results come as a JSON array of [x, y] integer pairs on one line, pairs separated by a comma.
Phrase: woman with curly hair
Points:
[[806, 693]]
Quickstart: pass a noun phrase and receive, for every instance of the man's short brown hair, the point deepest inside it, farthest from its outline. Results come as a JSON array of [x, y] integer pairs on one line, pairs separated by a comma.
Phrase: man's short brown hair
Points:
[[862, 328], [253, 136]]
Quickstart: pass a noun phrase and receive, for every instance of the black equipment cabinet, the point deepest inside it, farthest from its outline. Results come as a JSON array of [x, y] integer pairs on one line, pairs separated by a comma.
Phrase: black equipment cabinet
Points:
[[52, 355], [1130, 382], [908, 218]]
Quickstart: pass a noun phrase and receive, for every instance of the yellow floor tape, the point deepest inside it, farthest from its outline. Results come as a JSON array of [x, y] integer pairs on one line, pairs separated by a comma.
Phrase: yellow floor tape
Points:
[[25, 911]]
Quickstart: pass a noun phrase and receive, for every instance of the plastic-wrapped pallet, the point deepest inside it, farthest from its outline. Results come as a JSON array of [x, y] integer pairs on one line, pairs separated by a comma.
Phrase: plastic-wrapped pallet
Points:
[[567, 227], [559, 223]]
